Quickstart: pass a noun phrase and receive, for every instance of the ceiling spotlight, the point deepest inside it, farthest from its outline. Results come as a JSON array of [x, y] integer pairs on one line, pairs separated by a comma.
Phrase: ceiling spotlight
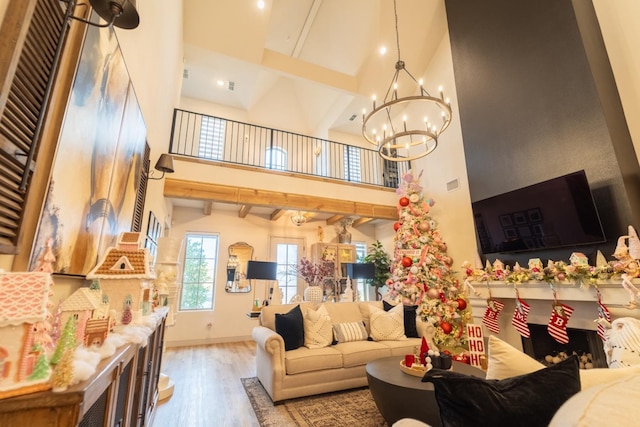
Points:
[[298, 219]]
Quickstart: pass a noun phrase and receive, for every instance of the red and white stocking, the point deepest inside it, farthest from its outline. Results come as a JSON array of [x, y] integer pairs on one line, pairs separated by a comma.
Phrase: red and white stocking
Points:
[[558, 321], [490, 318], [604, 319], [520, 315]]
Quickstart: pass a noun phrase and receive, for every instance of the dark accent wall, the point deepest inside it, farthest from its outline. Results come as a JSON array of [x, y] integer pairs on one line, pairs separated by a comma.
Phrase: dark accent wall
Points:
[[537, 99]]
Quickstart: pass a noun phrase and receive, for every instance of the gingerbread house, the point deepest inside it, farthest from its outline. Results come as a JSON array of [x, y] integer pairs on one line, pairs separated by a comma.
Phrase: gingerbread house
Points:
[[24, 297], [125, 276]]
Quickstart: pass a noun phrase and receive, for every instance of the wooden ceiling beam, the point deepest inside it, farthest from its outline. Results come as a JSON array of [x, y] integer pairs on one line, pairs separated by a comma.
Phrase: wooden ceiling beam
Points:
[[334, 219], [184, 189], [361, 221], [276, 214], [244, 210], [208, 207]]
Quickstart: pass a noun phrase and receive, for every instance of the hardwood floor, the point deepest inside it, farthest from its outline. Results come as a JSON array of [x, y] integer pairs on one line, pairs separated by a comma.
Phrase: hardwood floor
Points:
[[208, 391]]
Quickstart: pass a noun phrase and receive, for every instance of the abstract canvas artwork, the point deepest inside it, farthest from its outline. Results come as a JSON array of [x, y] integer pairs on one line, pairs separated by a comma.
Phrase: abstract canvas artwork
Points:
[[99, 160]]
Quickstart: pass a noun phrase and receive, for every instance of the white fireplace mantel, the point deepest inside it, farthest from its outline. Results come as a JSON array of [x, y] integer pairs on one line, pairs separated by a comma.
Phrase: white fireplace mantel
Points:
[[539, 295]]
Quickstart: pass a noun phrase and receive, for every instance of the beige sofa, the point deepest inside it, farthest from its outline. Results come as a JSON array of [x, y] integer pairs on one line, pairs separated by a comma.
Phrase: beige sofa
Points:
[[304, 371]]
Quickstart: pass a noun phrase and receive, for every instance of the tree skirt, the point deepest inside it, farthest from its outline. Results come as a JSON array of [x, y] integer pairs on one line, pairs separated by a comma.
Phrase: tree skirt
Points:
[[345, 408]]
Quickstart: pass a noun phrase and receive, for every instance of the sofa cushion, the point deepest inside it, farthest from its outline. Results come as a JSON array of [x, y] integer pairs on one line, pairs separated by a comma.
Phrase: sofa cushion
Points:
[[349, 331], [614, 403], [387, 325], [318, 331], [525, 400], [507, 361], [291, 327], [359, 353], [403, 347], [344, 312], [365, 312], [304, 359], [268, 313], [410, 327]]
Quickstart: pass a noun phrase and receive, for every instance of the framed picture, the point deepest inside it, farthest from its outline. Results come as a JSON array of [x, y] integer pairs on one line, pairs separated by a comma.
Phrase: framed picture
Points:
[[534, 215], [510, 233], [98, 170], [506, 221], [519, 218]]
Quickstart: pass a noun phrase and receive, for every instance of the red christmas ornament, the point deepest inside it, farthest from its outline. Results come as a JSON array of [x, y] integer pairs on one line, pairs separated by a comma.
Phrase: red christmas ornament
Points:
[[404, 201], [407, 261], [396, 226], [462, 304], [442, 297], [446, 327]]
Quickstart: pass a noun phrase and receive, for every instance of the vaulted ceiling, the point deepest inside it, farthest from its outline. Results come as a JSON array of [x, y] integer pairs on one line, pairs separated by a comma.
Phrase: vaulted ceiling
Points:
[[316, 61]]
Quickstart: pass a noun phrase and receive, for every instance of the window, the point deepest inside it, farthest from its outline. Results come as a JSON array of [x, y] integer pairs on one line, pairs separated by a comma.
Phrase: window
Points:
[[352, 164], [288, 252], [198, 278], [276, 158], [212, 130]]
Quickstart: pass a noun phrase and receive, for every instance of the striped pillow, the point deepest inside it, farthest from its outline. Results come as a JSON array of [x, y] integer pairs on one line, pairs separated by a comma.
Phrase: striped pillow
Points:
[[350, 331]]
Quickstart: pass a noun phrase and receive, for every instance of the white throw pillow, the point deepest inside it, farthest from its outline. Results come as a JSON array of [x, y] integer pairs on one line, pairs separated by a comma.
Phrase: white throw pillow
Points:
[[387, 325], [507, 361], [318, 331], [614, 403], [349, 331]]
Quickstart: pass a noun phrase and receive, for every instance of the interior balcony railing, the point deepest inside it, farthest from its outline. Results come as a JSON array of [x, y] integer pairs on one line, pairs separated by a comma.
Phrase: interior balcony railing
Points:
[[222, 140]]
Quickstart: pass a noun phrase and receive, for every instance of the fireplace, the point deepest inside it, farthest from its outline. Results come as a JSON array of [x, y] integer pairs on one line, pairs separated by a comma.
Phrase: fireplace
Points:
[[581, 341]]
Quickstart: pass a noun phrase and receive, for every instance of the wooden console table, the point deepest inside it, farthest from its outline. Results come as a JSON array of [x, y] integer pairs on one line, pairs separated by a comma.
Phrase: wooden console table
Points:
[[122, 393]]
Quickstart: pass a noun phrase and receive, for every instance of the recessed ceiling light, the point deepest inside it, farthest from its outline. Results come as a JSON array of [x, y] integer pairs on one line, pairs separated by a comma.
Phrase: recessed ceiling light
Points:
[[260, 4], [383, 50], [220, 82]]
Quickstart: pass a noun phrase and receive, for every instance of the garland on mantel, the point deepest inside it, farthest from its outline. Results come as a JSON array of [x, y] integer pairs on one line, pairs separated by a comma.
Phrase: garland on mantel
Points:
[[578, 272]]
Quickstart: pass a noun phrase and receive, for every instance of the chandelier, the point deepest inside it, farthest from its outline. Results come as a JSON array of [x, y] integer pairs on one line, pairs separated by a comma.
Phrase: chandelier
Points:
[[298, 219], [406, 127]]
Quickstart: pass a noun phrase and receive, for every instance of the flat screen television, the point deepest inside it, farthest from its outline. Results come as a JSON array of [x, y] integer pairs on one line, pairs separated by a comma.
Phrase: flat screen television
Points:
[[556, 213]]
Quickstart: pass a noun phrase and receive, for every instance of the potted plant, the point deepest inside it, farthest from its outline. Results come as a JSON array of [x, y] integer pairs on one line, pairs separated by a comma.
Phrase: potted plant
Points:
[[377, 255]]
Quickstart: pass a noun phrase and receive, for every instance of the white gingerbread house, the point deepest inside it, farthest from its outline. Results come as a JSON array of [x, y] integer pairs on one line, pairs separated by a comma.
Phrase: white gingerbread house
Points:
[[24, 298], [125, 276]]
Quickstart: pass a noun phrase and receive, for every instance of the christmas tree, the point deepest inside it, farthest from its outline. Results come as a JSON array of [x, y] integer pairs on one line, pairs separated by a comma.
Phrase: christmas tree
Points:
[[127, 316], [421, 270], [41, 369], [63, 373], [66, 341]]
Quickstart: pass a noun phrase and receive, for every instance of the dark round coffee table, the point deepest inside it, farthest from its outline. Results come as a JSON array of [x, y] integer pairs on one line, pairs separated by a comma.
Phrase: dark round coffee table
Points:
[[399, 395]]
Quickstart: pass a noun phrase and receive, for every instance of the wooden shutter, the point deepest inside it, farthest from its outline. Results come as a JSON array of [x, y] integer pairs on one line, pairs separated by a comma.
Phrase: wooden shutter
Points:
[[31, 39]]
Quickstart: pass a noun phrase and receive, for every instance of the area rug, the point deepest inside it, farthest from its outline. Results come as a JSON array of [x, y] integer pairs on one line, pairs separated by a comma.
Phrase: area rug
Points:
[[346, 408]]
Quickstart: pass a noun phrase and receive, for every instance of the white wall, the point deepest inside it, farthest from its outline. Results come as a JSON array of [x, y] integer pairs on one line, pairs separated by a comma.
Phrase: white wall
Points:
[[228, 318]]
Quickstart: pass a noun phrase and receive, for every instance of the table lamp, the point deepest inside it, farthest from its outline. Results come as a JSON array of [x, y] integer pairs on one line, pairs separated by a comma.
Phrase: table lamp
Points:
[[261, 270], [360, 271]]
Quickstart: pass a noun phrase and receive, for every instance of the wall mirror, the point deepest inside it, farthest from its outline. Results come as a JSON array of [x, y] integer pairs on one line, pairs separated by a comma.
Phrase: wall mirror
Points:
[[239, 254]]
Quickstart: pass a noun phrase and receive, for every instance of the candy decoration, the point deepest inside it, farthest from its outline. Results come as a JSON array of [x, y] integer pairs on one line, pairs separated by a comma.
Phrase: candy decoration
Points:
[[520, 315], [558, 321], [490, 318]]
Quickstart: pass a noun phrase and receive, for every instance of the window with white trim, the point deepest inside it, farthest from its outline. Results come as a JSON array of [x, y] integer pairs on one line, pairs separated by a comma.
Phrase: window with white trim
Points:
[[352, 168], [212, 130], [199, 272], [276, 158]]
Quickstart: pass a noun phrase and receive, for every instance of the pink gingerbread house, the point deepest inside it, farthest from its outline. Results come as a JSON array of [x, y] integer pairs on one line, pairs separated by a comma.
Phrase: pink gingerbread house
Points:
[[24, 298], [125, 276]]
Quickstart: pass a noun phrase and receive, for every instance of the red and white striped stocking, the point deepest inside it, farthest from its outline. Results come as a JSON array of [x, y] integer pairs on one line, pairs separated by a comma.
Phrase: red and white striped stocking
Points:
[[558, 321], [604, 319], [490, 318], [519, 320]]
